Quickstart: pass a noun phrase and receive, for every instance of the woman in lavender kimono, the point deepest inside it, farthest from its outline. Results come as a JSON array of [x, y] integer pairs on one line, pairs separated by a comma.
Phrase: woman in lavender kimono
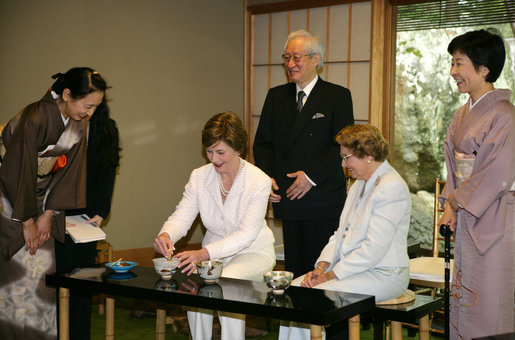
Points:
[[42, 173], [478, 196]]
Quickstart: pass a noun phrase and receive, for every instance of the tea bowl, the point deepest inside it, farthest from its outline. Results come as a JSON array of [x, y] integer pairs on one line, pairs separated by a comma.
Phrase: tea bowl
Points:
[[278, 280], [210, 271], [166, 267]]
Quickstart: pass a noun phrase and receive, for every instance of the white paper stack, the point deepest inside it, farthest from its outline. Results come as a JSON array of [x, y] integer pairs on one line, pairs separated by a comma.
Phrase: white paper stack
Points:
[[81, 231]]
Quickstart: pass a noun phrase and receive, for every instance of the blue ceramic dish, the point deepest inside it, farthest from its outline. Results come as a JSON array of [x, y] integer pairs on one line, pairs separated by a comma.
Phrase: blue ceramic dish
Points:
[[122, 266]]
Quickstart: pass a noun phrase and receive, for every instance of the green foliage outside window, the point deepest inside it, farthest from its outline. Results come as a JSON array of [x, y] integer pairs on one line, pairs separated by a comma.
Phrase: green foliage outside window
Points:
[[426, 98]]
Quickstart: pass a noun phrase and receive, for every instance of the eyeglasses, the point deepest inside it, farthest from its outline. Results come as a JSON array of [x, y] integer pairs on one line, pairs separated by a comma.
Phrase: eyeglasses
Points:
[[346, 157], [296, 57]]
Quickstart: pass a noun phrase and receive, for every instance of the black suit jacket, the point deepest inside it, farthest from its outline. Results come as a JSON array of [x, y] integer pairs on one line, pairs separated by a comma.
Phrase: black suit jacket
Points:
[[286, 142]]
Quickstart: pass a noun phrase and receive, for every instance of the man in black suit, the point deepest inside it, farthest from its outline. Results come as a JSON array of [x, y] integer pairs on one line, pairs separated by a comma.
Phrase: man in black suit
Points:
[[295, 146]]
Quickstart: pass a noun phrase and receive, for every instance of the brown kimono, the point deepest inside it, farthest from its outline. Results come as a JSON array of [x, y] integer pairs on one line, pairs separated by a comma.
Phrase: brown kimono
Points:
[[478, 153], [29, 146]]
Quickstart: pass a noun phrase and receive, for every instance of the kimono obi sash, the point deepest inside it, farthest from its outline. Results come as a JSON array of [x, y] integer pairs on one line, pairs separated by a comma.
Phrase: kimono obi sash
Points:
[[464, 166]]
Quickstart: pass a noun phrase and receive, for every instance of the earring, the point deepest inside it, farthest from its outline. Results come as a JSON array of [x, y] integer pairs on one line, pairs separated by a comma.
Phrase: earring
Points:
[[368, 161]]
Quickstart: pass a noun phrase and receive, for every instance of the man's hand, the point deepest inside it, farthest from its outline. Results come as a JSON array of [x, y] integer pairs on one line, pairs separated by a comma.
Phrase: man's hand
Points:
[[300, 187], [274, 198]]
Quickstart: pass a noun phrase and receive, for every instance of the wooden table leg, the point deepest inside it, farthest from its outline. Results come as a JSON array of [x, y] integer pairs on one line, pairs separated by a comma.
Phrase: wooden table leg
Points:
[[109, 318], [316, 332], [64, 313], [396, 330], [160, 324], [423, 328], [354, 324]]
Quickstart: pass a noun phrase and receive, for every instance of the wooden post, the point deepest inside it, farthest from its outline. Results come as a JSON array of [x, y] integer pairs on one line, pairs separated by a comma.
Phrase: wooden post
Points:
[[354, 324], [109, 318], [160, 324], [396, 330], [423, 328], [64, 313], [316, 332]]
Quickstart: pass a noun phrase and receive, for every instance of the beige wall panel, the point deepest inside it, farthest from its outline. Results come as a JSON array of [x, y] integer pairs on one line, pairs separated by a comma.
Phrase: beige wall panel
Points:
[[338, 74], [298, 20], [260, 87], [261, 24], [171, 65], [318, 22], [280, 33], [359, 86], [279, 76], [339, 37], [361, 13]]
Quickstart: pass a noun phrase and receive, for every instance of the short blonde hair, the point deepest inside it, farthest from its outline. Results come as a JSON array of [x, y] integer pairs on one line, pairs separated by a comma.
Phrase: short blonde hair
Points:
[[364, 140]]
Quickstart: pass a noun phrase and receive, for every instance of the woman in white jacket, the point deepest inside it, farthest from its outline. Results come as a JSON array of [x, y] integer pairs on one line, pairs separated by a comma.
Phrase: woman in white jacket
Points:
[[231, 196], [368, 252]]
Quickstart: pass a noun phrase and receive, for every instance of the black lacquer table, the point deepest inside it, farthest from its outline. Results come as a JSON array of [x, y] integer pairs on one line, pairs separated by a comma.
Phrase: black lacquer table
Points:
[[313, 306]]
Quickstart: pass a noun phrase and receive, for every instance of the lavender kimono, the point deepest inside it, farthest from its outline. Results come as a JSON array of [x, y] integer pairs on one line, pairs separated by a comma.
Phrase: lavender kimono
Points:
[[478, 153]]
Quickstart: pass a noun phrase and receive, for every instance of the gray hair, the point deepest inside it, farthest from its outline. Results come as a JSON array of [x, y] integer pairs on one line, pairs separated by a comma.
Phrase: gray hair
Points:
[[312, 43]]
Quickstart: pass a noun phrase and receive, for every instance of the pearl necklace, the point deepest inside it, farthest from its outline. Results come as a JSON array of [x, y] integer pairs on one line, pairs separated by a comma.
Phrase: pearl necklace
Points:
[[221, 184]]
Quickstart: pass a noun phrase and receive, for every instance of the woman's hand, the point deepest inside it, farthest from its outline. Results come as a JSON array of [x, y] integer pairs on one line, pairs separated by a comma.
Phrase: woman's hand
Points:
[[30, 234], [448, 217], [97, 219], [318, 276], [44, 224], [164, 245], [190, 258]]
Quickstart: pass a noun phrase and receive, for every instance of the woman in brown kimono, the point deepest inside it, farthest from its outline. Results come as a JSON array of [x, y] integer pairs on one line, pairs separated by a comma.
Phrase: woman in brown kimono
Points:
[[42, 173], [478, 197]]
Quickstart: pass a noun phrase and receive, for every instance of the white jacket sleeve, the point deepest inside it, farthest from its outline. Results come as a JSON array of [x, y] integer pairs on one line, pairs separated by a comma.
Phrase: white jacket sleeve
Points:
[[178, 224]]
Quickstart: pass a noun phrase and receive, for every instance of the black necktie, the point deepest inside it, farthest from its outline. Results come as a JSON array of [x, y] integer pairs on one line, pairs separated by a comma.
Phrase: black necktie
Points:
[[300, 100]]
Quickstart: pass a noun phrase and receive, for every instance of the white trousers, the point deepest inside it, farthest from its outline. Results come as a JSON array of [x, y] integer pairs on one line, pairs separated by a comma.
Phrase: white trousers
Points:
[[247, 266], [385, 284]]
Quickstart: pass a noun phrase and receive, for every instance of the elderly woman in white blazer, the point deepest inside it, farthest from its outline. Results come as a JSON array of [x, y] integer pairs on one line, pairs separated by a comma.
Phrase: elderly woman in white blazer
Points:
[[231, 196], [368, 252]]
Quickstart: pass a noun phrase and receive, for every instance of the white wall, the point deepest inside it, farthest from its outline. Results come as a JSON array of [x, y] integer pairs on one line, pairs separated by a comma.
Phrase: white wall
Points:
[[171, 65]]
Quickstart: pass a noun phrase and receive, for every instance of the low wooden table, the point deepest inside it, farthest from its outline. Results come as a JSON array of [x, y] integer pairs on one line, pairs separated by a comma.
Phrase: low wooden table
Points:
[[299, 304]]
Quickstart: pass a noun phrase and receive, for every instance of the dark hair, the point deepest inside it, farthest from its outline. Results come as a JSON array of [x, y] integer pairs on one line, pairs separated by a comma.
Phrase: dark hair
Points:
[[103, 143], [81, 81], [364, 140], [484, 48], [226, 127]]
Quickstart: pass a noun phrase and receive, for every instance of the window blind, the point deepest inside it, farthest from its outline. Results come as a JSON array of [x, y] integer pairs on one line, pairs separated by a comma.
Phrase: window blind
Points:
[[454, 13]]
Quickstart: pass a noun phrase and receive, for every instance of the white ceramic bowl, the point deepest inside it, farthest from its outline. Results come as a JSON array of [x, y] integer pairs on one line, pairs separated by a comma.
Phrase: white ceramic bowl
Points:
[[278, 280], [165, 267], [210, 270]]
